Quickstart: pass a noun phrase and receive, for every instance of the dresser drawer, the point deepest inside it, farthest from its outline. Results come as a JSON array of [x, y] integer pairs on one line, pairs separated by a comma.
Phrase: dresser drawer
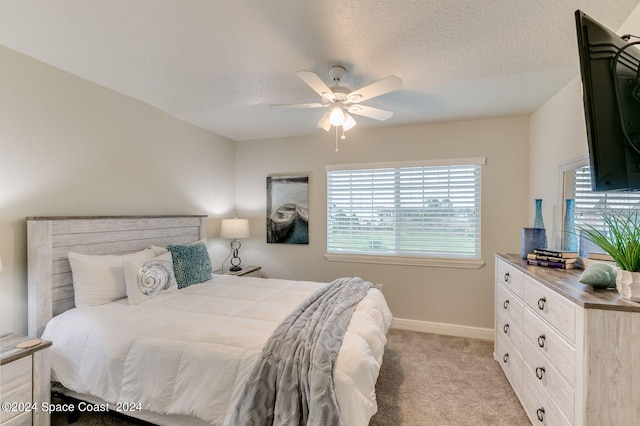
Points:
[[509, 328], [555, 309], [538, 367], [550, 344], [511, 362], [510, 277], [541, 409], [16, 385], [507, 303]]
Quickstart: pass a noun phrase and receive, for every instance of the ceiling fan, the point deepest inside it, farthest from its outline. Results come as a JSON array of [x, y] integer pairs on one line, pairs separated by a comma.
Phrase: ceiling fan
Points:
[[342, 101]]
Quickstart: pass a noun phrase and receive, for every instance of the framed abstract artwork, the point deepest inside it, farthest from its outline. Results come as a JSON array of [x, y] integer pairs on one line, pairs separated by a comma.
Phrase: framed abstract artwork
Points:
[[288, 209]]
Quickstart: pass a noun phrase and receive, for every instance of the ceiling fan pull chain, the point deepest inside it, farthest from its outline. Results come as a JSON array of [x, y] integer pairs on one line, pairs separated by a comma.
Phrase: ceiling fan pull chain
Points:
[[336, 138]]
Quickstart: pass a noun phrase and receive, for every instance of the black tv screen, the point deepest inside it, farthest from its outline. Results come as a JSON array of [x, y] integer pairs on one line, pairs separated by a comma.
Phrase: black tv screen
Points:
[[611, 94]]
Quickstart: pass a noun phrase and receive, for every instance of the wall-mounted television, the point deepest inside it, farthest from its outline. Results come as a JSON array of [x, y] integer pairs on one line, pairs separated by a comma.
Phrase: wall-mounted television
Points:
[[609, 67]]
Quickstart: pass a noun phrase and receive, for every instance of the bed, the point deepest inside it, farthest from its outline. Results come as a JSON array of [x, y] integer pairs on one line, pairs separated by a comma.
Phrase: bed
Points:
[[183, 357]]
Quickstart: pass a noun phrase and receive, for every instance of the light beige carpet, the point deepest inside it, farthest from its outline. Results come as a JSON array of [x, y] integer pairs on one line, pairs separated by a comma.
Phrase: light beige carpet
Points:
[[430, 379], [426, 379]]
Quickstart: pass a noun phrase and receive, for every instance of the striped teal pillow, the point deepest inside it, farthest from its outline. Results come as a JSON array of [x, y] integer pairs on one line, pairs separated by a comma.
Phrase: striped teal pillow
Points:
[[191, 263]]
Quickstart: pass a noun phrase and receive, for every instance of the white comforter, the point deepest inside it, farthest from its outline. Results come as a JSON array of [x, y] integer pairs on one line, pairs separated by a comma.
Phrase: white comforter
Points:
[[189, 352]]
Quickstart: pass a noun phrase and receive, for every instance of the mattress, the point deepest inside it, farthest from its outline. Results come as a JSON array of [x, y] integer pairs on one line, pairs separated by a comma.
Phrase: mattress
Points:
[[189, 352]]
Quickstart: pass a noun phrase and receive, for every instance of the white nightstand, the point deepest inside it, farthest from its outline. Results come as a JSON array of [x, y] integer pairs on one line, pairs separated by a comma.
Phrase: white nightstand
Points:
[[25, 376], [247, 271]]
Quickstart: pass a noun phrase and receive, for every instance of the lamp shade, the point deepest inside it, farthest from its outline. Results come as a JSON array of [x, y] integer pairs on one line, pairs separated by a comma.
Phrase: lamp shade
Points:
[[324, 122], [234, 228], [337, 116], [349, 122]]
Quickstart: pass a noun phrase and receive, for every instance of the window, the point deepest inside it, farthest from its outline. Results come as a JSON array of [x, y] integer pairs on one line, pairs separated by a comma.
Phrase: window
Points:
[[590, 205], [405, 213]]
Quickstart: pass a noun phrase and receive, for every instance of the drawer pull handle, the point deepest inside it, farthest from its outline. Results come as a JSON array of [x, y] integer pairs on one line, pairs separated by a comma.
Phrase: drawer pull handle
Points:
[[506, 328], [540, 414], [540, 372], [506, 277], [541, 340], [506, 304], [505, 358], [541, 302]]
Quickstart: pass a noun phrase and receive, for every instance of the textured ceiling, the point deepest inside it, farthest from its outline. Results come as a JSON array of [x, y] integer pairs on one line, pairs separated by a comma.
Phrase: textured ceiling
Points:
[[219, 64]]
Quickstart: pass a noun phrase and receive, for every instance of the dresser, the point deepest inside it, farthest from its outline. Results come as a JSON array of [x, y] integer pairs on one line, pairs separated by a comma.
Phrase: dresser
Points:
[[25, 375], [570, 352]]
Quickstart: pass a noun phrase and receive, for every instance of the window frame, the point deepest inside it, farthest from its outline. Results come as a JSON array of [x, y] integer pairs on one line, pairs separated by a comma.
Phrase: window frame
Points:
[[417, 260], [567, 189]]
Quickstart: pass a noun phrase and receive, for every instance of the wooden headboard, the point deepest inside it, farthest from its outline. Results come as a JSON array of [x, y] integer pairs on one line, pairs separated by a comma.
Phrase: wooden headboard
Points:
[[49, 239]]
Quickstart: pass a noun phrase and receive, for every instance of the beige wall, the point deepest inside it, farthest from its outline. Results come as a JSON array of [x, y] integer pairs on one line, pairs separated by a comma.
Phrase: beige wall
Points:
[[558, 136], [441, 295], [70, 147]]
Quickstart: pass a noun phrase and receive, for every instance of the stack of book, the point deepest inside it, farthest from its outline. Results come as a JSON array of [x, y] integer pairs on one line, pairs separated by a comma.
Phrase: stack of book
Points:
[[601, 256], [598, 258], [553, 259]]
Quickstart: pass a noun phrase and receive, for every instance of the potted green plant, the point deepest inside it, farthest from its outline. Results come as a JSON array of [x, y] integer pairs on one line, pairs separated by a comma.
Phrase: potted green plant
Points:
[[622, 243]]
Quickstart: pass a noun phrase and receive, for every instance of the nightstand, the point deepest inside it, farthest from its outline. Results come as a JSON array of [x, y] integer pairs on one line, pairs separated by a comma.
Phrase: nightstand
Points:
[[25, 376], [247, 271]]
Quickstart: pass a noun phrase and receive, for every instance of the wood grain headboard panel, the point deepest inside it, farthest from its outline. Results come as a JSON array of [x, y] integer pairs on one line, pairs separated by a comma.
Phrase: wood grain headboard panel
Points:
[[50, 239]]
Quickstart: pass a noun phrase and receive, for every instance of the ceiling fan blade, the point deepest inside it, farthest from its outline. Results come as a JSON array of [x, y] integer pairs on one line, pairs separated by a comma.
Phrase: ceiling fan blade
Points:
[[316, 84], [380, 87], [292, 106], [371, 112], [324, 122]]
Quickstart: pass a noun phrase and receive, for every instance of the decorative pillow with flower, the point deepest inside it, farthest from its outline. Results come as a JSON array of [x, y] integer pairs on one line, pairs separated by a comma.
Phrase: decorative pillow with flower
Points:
[[149, 278]]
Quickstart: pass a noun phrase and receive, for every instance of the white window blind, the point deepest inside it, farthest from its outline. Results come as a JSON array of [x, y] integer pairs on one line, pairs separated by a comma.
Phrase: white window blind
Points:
[[590, 205], [428, 211]]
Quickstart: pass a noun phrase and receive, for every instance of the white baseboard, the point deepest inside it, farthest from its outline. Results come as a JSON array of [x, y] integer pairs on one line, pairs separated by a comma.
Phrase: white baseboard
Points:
[[446, 329]]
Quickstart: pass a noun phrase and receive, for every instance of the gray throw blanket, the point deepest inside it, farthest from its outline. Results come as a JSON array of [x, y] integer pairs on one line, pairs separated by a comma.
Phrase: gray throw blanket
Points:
[[292, 381]]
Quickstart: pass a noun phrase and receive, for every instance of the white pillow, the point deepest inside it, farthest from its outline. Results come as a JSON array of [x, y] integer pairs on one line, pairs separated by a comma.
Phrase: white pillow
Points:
[[99, 279], [159, 250], [148, 278]]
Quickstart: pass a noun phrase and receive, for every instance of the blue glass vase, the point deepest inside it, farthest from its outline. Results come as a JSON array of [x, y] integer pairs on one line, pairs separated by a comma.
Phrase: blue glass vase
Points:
[[536, 236], [569, 235], [537, 218], [533, 238]]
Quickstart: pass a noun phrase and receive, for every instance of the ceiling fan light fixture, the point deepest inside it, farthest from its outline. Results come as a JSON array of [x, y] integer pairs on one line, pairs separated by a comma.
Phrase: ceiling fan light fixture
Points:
[[336, 117], [324, 122], [349, 122], [341, 102]]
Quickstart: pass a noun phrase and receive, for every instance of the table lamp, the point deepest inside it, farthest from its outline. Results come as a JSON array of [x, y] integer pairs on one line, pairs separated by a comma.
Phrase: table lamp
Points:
[[235, 228]]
